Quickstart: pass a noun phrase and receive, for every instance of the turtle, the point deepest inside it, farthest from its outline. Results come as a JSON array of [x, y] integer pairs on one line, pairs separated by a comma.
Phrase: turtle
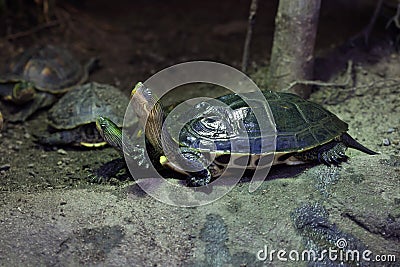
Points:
[[37, 75], [305, 132], [72, 118]]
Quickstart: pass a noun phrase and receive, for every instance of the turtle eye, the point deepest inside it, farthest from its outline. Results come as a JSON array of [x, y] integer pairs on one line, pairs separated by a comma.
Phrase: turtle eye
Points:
[[213, 127], [209, 120], [210, 123]]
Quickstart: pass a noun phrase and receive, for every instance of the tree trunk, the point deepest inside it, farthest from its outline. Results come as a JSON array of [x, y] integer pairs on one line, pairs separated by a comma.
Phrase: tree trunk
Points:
[[292, 57]]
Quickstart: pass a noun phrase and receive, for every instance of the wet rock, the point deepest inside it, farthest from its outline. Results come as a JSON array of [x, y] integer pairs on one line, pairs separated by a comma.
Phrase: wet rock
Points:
[[61, 151], [215, 234], [386, 142], [5, 167], [390, 130], [214, 230], [387, 227], [14, 147], [92, 244], [312, 222]]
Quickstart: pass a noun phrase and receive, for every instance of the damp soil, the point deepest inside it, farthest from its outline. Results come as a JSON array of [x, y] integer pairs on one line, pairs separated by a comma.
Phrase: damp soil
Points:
[[51, 212]]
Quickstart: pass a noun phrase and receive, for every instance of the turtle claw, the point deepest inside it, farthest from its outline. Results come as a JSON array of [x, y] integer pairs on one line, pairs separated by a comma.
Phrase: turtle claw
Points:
[[323, 157], [335, 160], [200, 178], [333, 155]]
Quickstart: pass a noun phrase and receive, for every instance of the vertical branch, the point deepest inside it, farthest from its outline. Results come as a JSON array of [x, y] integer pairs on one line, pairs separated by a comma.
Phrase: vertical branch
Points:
[[250, 25], [46, 10], [292, 56]]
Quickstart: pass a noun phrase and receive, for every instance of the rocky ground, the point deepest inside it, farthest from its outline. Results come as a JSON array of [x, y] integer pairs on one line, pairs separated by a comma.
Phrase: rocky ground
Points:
[[51, 214]]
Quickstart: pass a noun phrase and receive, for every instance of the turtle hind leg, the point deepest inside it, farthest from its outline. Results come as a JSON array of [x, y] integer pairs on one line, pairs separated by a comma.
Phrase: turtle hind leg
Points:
[[332, 153]]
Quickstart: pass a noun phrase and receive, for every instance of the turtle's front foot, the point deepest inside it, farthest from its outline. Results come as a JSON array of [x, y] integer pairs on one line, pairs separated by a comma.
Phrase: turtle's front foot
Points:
[[113, 169], [200, 178]]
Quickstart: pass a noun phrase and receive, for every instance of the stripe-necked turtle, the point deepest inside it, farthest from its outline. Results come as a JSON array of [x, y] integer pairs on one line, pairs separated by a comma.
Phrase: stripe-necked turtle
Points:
[[37, 75], [305, 131], [72, 118]]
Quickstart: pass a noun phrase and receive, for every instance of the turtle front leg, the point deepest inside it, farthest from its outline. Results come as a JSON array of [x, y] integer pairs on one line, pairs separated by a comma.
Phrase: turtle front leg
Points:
[[200, 178], [195, 160]]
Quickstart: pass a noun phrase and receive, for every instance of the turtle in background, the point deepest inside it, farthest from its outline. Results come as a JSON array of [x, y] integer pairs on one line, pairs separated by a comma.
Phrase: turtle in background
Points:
[[37, 76], [305, 132], [72, 119]]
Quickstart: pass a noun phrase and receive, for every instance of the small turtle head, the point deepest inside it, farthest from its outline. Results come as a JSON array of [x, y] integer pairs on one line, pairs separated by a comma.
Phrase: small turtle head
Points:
[[110, 132], [137, 86], [149, 111], [22, 92]]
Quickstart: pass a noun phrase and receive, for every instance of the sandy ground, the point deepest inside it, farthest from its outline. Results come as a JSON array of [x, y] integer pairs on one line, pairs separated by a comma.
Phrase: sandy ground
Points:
[[52, 215]]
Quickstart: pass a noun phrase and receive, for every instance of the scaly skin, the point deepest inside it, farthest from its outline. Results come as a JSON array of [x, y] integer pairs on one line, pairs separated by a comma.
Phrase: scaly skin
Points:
[[110, 132]]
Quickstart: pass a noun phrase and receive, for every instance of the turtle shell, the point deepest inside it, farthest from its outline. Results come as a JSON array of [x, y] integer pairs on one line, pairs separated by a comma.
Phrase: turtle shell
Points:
[[86, 103], [51, 69], [300, 125]]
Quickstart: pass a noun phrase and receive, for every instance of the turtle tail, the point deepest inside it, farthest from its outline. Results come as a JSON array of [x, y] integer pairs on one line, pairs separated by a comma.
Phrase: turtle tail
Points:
[[350, 142]]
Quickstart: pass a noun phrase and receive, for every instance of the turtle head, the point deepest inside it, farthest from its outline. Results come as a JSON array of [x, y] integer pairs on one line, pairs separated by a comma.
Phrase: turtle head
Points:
[[146, 105], [149, 111], [110, 132], [136, 88], [22, 92]]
